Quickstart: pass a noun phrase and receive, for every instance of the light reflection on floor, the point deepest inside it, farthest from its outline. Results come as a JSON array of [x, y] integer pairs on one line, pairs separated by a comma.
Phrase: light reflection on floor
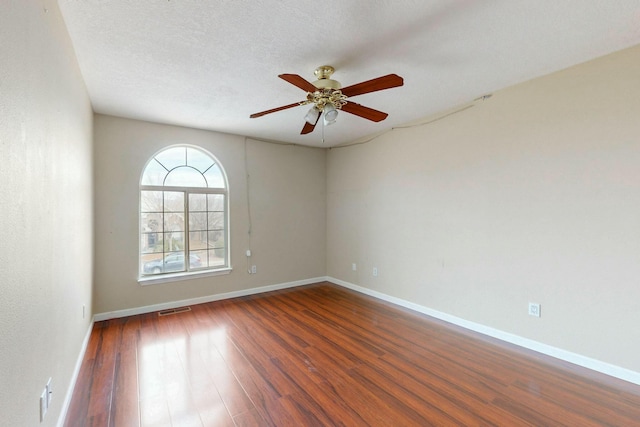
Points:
[[172, 371]]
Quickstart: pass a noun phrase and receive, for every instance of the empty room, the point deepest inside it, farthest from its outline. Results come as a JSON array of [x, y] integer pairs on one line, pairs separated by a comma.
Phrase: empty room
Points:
[[292, 213]]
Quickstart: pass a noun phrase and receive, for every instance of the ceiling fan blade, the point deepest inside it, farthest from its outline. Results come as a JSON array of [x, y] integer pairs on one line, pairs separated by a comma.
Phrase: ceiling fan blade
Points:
[[364, 112], [308, 127], [298, 81], [381, 83], [273, 110]]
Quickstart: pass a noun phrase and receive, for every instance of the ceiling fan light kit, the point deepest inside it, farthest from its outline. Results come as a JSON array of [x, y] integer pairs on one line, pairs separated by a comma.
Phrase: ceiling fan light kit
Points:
[[330, 113], [328, 96], [312, 115]]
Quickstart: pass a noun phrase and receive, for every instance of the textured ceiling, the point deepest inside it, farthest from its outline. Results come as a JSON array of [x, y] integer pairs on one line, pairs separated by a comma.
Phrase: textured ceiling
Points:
[[210, 64]]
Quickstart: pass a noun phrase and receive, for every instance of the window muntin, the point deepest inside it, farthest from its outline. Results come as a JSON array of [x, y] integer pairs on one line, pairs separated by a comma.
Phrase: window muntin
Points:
[[183, 213]]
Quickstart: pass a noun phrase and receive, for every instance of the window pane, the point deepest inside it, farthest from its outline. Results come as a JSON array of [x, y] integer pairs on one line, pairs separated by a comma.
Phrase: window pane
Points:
[[197, 202], [150, 222], [216, 220], [185, 177], [173, 157], [216, 258], [174, 222], [173, 201], [216, 202], [151, 242], [216, 239], [151, 201], [197, 221], [152, 264], [153, 174], [174, 262], [197, 240], [195, 262], [214, 177], [202, 256], [198, 159], [173, 241]]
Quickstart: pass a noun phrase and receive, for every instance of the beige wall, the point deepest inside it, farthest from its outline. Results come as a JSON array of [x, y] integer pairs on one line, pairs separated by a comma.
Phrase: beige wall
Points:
[[286, 195], [533, 195], [45, 210]]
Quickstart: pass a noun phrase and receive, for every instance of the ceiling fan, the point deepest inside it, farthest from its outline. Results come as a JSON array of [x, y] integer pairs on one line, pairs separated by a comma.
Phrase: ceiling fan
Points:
[[328, 96]]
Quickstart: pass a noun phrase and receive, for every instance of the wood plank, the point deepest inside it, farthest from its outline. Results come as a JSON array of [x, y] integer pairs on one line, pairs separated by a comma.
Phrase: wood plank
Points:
[[101, 388], [125, 410]]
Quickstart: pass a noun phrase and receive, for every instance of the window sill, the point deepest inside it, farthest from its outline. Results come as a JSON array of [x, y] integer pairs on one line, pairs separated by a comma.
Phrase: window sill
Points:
[[177, 277]]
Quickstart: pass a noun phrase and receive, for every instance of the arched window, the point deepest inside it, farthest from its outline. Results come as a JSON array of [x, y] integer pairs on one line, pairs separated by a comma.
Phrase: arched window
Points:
[[183, 214]]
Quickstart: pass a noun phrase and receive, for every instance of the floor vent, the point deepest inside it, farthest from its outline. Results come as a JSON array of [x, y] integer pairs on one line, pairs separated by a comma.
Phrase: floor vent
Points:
[[174, 311]]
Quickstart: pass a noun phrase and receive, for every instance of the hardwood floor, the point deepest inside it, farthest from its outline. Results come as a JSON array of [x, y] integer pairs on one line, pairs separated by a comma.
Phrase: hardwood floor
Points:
[[321, 355]]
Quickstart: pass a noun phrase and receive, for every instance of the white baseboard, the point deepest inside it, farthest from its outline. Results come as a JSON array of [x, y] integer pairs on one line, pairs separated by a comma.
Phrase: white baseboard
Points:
[[576, 359], [201, 300], [74, 377]]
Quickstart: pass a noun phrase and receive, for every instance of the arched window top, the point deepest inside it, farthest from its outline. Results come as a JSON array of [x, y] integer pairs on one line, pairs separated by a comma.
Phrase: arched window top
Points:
[[184, 166]]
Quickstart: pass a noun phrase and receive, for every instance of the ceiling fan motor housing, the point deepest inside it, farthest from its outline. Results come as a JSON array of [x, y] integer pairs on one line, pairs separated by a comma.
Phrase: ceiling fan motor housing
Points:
[[327, 84]]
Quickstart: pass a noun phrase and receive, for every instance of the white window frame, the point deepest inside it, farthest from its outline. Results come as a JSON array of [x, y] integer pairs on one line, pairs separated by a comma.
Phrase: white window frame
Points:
[[146, 279]]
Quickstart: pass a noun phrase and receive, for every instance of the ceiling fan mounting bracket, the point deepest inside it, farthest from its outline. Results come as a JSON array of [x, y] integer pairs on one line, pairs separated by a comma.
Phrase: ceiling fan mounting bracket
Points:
[[323, 73]]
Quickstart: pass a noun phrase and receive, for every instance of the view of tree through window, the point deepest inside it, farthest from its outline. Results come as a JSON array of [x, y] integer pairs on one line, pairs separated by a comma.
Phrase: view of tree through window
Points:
[[183, 213]]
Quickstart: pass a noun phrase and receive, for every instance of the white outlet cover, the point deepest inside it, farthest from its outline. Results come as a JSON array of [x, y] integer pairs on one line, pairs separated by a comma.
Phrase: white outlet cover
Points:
[[534, 309]]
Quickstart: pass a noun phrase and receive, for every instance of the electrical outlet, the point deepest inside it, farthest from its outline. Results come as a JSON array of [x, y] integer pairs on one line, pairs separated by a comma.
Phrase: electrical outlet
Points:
[[354, 267], [84, 311], [534, 309], [254, 269], [375, 271]]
